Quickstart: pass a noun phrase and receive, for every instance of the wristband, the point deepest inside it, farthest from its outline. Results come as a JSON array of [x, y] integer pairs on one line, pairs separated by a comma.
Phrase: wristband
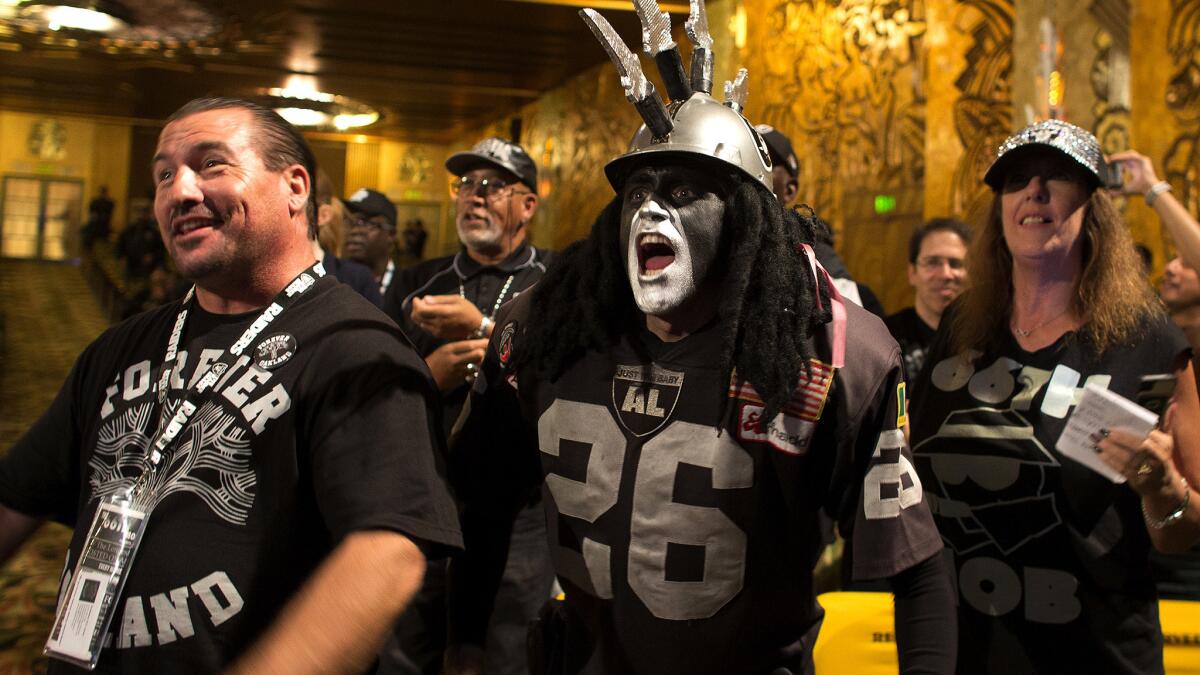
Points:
[[1174, 515], [1156, 190]]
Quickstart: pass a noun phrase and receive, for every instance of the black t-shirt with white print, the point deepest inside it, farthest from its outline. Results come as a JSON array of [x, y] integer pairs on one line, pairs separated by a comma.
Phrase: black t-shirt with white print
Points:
[[1050, 559], [682, 532], [326, 428]]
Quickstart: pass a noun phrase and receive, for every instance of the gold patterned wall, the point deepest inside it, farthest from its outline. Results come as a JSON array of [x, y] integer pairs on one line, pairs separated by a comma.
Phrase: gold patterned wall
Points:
[[851, 83], [844, 80], [1165, 42], [906, 100]]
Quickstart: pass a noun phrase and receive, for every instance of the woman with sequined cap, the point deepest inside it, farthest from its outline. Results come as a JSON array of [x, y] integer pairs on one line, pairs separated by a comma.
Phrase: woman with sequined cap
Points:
[[1049, 556]]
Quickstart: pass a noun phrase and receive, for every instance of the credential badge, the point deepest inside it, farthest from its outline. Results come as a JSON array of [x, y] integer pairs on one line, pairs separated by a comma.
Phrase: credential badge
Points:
[[644, 396], [275, 351]]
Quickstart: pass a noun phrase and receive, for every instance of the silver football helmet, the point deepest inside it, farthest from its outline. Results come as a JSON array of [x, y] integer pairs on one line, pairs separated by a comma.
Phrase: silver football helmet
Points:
[[698, 126]]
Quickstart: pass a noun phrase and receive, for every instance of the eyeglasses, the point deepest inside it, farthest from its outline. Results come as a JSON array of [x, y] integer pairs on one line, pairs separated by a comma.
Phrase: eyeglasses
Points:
[[935, 262], [372, 223], [491, 187]]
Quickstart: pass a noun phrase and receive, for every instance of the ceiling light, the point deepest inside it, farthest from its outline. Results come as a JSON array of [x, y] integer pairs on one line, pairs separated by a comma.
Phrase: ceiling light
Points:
[[304, 117], [354, 120], [97, 16], [306, 107]]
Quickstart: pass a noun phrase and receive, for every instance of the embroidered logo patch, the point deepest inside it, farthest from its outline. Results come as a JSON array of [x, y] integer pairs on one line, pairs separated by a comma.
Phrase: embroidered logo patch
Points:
[[645, 396], [275, 351], [901, 406], [504, 348]]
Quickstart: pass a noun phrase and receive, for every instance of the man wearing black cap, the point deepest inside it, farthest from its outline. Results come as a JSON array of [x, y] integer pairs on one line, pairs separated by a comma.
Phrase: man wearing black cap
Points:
[[784, 174], [372, 235], [446, 306]]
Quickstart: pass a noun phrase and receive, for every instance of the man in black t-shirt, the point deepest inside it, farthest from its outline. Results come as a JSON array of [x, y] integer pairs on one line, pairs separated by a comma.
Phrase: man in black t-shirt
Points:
[[291, 500], [447, 306], [937, 271], [687, 392]]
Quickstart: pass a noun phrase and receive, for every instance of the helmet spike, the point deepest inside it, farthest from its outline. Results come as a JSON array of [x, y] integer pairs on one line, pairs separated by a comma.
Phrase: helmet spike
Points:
[[702, 55], [735, 92], [639, 90], [658, 44]]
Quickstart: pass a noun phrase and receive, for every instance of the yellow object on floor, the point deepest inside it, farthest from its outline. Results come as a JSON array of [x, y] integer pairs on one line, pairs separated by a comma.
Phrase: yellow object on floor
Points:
[[858, 635]]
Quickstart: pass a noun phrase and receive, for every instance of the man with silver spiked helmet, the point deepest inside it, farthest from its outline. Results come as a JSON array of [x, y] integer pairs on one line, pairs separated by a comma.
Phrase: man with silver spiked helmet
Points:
[[688, 389]]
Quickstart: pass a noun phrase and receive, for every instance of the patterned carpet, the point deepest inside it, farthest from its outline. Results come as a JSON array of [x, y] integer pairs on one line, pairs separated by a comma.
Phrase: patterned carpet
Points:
[[47, 316]]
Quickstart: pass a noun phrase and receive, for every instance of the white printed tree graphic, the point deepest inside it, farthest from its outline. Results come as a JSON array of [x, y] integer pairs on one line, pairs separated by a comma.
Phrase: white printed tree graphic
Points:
[[210, 459]]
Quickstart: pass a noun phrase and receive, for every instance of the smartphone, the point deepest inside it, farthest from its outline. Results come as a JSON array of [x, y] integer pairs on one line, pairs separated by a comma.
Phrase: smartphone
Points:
[[1112, 175], [1154, 393]]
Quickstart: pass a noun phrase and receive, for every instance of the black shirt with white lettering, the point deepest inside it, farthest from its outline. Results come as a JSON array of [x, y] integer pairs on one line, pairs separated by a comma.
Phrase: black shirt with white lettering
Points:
[[1050, 559], [683, 531], [327, 427]]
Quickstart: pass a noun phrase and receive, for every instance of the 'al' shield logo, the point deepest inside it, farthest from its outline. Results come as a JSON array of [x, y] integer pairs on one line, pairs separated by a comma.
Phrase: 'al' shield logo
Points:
[[274, 351], [645, 396]]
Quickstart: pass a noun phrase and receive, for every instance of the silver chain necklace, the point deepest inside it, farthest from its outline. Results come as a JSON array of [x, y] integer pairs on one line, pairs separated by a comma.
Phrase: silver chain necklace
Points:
[[462, 293]]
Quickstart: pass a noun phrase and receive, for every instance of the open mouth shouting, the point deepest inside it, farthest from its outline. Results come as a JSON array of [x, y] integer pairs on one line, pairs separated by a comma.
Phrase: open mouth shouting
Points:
[[655, 253]]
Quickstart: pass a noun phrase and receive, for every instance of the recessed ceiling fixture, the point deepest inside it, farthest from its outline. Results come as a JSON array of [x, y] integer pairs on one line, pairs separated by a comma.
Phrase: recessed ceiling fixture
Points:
[[316, 109], [139, 26], [95, 16]]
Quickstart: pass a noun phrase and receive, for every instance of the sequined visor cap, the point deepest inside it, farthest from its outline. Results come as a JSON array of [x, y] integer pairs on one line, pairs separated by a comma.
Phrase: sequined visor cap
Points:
[[1077, 144]]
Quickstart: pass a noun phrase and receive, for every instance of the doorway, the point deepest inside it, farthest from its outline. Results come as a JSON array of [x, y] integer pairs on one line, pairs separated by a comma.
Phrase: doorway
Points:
[[39, 217]]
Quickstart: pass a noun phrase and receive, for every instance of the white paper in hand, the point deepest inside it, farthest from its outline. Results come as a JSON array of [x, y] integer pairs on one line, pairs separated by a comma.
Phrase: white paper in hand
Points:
[[1099, 409]]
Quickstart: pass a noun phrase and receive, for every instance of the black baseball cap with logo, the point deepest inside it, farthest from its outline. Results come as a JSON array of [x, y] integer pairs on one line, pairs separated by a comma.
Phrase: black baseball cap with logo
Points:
[[369, 203], [498, 153], [780, 148]]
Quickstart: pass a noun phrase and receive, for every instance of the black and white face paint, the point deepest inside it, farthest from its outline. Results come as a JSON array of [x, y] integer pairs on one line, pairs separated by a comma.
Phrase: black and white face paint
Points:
[[671, 232]]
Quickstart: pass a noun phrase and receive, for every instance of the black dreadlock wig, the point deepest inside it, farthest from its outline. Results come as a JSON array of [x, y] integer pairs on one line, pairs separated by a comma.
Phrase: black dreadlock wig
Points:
[[768, 307]]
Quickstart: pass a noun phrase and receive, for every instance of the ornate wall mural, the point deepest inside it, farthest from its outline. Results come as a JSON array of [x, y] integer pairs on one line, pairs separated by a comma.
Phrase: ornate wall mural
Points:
[[845, 81], [983, 113], [1110, 76], [1182, 160]]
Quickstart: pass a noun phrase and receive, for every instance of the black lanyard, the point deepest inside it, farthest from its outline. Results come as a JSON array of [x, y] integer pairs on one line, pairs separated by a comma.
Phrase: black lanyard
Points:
[[168, 430]]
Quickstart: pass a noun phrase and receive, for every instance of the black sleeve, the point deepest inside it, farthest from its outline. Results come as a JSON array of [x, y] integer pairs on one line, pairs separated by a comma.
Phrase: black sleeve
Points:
[[494, 469], [926, 621], [887, 517], [371, 417]]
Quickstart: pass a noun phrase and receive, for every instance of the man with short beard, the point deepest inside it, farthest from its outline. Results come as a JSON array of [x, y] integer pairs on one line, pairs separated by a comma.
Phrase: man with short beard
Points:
[[447, 306], [260, 458], [688, 389]]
